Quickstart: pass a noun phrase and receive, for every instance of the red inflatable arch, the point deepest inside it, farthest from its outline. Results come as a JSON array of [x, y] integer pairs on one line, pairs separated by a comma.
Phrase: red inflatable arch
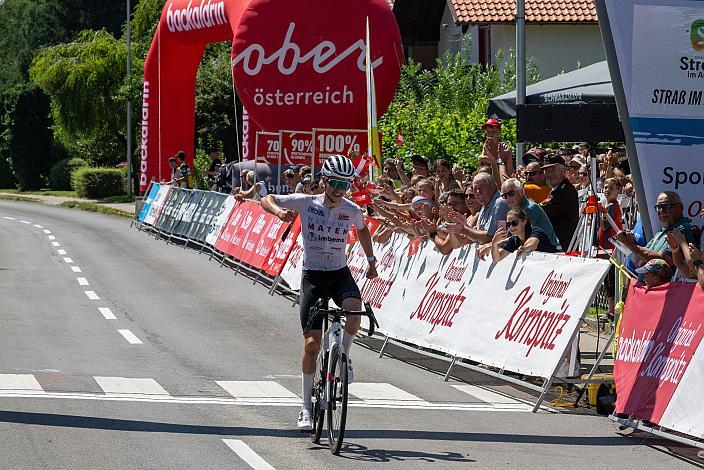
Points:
[[296, 65]]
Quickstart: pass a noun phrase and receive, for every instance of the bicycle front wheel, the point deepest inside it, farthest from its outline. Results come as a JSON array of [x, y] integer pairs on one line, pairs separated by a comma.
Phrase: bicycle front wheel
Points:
[[337, 406]]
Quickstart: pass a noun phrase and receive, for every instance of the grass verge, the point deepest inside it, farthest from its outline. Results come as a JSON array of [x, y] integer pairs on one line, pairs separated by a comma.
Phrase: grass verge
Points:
[[42, 192], [92, 207], [13, 197]]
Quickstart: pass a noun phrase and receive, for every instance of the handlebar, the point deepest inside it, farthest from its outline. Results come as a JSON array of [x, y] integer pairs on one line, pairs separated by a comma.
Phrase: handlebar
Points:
[[320, 308]]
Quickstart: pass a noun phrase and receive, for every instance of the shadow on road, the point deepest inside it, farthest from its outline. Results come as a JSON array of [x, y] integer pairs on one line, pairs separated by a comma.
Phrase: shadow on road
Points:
[[111, 424]]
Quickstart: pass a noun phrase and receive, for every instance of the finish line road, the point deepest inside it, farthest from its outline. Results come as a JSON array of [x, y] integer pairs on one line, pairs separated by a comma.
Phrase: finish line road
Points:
[[120, 351]]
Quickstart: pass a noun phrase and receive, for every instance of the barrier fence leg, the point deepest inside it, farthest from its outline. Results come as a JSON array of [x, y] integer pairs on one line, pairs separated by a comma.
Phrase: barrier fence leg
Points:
[[546, 387], [383, 346], [596, 365], [449, 369], [277, 279]]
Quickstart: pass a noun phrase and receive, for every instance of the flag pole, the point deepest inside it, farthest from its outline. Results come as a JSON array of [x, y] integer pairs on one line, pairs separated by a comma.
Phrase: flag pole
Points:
[[373, 145]]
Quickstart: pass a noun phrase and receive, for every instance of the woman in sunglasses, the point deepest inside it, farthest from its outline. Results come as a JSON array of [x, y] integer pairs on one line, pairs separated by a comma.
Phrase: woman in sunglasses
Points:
[[521, 237], [325, 223]]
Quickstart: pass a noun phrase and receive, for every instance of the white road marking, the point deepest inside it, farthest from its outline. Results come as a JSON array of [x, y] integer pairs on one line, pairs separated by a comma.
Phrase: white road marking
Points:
[[247, 454], [107, 313], [51, 237], [61, 252], [25, 222], [76, 269], [55, 244], [281, 402], [82, 281], [129, 386], [68, 260], [489, 396], [9, 218], [91, 295], [255, 389], [24, 382], [47, 231], [382, 393], [130, 337], [39, 226]]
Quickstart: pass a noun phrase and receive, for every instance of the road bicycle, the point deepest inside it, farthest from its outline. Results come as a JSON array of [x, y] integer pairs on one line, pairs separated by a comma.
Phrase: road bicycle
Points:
[[330, 386]]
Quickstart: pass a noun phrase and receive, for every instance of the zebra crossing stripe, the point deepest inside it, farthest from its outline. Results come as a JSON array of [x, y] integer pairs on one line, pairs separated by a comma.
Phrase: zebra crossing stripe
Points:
[[130, 386], [256, 389]]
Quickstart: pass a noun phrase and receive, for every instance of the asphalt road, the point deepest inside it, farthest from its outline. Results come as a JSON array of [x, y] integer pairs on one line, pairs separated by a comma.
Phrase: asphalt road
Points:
[[121, 351]]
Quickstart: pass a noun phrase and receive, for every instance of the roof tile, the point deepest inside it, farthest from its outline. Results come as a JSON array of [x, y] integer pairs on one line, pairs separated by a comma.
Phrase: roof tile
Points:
[[537, 11]]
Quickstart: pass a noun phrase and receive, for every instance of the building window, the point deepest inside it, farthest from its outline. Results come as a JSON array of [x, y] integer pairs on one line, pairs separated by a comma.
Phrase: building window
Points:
[[485, 56]]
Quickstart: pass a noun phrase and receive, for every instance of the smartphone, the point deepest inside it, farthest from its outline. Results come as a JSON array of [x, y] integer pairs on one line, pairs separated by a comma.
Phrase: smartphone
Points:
[[502, 225]]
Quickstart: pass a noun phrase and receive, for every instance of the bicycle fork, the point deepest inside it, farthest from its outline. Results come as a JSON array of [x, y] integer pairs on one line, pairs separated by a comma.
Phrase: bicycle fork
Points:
[[329, 399]]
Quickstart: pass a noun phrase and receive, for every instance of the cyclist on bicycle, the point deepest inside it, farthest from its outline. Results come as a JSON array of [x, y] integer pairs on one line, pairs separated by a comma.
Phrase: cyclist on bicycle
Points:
[[325, 221]]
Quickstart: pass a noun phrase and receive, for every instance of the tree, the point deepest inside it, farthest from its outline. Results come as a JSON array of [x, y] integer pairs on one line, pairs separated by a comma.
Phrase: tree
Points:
[[216, 119], [26, 139], [441, 111], [83, 79]]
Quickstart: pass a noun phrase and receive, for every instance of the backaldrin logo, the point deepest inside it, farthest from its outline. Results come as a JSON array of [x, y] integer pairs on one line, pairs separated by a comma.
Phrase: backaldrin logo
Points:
[[696, 35]]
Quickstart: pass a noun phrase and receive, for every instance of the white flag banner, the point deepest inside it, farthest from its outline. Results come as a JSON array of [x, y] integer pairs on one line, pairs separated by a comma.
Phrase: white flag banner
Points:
[[659, 48], [157, 205], [293, 269]]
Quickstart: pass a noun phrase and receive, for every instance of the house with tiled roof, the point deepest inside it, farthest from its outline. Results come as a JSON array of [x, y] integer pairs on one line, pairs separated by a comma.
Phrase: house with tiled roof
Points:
[[559, 33]]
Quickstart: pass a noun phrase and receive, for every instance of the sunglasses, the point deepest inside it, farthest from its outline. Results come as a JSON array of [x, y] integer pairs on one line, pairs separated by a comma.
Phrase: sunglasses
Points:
[[583, 173], [339, 185], [512, 223], [531, 173], [470, 196], [665, 207], [508, 194]]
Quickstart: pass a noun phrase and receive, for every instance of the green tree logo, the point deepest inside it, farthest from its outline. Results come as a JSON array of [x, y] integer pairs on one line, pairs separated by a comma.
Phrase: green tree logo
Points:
[[696, 34]]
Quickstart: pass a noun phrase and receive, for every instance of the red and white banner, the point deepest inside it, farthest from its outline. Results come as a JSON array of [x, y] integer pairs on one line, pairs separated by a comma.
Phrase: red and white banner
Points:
[[658, 368], [282, 249], [296, 147], [250, 234], [267, 147], [328, 142]]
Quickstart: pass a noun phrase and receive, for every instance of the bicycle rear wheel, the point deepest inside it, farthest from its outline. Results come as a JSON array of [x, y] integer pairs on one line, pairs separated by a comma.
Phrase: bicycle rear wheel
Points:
[[337, 406], [318, 414]]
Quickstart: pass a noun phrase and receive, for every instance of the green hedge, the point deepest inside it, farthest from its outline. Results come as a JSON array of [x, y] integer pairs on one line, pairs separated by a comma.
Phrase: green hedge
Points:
[[60, 175], [97, 183]]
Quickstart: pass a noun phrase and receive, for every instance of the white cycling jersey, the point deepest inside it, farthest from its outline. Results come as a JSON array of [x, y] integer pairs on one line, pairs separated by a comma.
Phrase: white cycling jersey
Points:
[[324, 230]]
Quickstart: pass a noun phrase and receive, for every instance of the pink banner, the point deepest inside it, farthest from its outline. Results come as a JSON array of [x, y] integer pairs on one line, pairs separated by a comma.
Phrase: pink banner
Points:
[[660, 330]]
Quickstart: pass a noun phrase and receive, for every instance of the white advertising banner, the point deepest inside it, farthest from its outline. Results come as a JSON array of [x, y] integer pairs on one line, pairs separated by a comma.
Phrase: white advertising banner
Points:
[[220, 220], [293, 269], [519, 314], [157, 205], [660, 51]]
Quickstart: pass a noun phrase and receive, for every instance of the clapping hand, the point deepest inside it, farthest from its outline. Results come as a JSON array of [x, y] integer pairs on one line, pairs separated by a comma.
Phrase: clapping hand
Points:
[[456, 223], [675, 240]]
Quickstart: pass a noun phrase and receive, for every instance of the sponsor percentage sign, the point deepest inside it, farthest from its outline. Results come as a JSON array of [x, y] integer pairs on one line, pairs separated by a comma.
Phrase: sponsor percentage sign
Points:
[[351, 143]]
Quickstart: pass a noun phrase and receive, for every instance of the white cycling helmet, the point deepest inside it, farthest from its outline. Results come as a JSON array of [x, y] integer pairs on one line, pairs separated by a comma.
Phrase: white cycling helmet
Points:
[[338, 167]]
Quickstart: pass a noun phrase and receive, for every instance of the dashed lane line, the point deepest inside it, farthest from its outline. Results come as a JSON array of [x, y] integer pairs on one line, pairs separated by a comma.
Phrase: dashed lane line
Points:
[[107, 313], [62, 252], [39, 226], [76, 269], [82, 281], [130, 337], [9, 218], [55, 244], [51, 237], [91, 295], [23, 382], [68, 260], [247, 454], [47, 231]]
